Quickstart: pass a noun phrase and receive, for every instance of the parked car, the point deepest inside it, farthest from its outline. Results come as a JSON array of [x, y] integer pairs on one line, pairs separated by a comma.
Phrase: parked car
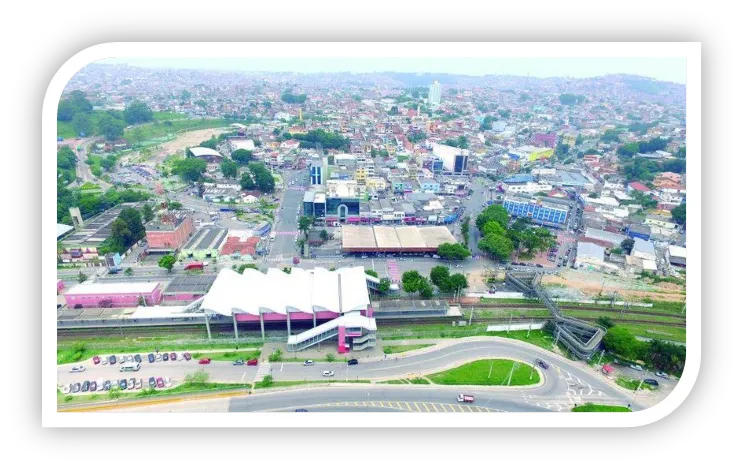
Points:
[[160, 383], [96, 359], [187, 355], [173, 356], [152, 382], [112, 360], [137, 358], [650, 381], [158, 357], [130, 358], [353, 361], [542, 364], [253, 362], [238, 362], [93, 386], [121, 359], [77, 369], [205, 361], [309, 362], [301, 410], [76, 387], [636, 367], [138, 384], [104, 361], [166, 357], [150, 357], [328, 373], [168, 382], [122, 384], [66, 388], [130, 385], [107, 385], [468, 398], [661, 374], [86, 386], [180, 357]]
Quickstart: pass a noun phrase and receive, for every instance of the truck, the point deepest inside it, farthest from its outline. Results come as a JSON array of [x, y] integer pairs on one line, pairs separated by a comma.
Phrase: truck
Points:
[[465, 398], [195, 265]]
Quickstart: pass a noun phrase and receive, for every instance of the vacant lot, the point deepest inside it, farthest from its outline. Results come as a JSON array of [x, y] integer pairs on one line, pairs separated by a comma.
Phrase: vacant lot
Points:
[[488, 373]]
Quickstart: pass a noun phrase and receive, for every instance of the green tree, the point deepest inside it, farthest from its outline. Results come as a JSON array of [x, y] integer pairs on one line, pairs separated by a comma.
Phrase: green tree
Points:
[[622, 342], [128, 272], [174, 205], [137, 112], [262, 176], [628, 244], [198, 377], [110, 127], [324, 235], [81, 123], [424, 289], [494, 213], [185, 95], [167, 262], [497, 246], [81, 277], [242, 156], [147, 213], [458, 282], [242, 267], [305, 223], [228, 168], [384, 285], [605, 322], [439, 275], [246, 181], [411, 280], [679, 214], [189, 169], [372, 273], [453, 251], [569, 99]]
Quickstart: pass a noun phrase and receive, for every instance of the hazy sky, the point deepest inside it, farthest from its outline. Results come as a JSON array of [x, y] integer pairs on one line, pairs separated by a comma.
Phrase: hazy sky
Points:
[[667, 69]]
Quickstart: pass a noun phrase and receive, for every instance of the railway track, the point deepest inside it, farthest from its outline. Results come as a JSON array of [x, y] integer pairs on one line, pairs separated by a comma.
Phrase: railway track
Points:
[[569, 308]]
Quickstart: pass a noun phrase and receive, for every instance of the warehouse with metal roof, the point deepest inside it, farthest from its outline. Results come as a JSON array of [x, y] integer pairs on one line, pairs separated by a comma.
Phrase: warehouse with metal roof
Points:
[[394, 239]]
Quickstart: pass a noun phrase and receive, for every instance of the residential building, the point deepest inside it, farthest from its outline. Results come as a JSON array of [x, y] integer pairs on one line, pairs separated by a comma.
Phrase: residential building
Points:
[[168, 233], [552, 212]]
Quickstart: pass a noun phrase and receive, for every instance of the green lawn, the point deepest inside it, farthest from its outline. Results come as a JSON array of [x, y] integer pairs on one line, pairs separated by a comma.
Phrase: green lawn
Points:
[[506, 313], [390, 349], [230, 356], [284, 384], [65, 129], [615, 315], [631, 384], [157, 130], [590, 407], [653, 331], [476, 373], [71, 352], [429, 331]]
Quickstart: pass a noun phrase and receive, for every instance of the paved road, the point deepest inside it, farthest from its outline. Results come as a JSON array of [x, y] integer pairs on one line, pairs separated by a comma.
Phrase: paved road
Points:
[[83, 170], [287, 218], [563, 384]]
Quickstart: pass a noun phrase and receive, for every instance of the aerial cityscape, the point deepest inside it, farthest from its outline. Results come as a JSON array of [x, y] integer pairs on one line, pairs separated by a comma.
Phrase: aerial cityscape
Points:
[[272, 241]]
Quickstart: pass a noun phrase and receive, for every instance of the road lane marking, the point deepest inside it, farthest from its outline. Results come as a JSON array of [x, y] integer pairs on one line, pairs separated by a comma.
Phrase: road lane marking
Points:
[[424, 405], [243, 378], [416, 406], [451, 407], [460, 408], [409, 408]]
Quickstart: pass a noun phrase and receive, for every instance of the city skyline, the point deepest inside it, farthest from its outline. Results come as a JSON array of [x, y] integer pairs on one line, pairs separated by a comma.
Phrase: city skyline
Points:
[[659, 68]]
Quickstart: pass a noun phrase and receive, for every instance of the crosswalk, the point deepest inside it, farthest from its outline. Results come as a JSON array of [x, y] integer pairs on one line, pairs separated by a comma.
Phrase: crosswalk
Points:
[[263, 370], [287, 233], [578, 392], [393, 270], [421, 407]]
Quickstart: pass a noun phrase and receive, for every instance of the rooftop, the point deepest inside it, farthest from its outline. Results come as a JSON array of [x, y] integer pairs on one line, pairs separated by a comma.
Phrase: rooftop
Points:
[[112, 288]]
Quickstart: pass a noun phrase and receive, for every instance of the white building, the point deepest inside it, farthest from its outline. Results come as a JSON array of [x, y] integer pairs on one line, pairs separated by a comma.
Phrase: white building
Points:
[[434, 94], [453, 158], [242, 144], [529, 187], [589, 255]]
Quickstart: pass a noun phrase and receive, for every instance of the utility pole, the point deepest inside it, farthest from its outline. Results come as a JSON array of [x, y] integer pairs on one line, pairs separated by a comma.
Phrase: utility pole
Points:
[[491, 369], [529, 331], [511, 373], [601, 357], [509, 324], [472, 311]]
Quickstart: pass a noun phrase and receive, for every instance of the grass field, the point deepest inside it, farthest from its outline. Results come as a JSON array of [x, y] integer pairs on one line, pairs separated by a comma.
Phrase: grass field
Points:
[[653, 331], [285, 384], [390, 349], [628, 316], [600, 408], [631, 384], [74, 351], [230, 356], [156, 130], [480, 373], [429, 331], [506, 313]]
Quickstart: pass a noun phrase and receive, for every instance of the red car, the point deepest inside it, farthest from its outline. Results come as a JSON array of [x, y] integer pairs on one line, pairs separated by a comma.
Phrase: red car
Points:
[[160, 383], [253, 362], [96, 359], [205, 361], [186, 355], [173, 357]]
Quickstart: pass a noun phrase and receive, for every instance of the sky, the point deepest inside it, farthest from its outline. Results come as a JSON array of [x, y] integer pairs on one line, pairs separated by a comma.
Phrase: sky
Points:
[[665, 69]]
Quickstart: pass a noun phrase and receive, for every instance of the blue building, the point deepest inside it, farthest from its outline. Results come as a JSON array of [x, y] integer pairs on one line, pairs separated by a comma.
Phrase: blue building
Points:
[[538, 211]]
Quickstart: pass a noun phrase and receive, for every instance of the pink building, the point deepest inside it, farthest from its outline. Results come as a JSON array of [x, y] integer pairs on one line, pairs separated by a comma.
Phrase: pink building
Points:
[[113, 295], [168, 235], [60, 286]]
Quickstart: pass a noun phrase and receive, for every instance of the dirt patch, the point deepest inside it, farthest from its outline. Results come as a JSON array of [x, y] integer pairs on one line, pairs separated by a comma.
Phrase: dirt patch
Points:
[[179, 144], [592, 284]]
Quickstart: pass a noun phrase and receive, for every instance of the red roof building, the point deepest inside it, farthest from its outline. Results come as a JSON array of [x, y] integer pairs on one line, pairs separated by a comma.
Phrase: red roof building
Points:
[[638, 186], [239, 245]]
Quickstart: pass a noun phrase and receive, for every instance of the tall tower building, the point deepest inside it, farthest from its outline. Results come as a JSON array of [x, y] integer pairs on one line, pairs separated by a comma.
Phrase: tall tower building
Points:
[[434, 94]]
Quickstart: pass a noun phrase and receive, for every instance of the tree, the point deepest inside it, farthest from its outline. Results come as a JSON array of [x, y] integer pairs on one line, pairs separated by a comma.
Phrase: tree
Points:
[[622, 342], [189, 169], [246, 182], [147, 213], [410, 281], [81, 277], [465, 230], [110, 127], [198, 377], [128, 272], [324, 235], [494, 213], [242, 267], [453, 251], [679, 214], [242, 156], [439, 276], [605, 322], [384, 285], [458, 282], [137, 112], [185, 95], [81, 123], [496, 245], [305, 223], [372, 273], [290, 98], [167, 262], [424, 288], [262, 176], [228, 168], [628, 244], [569, 99], [174, 205], [493, 227]]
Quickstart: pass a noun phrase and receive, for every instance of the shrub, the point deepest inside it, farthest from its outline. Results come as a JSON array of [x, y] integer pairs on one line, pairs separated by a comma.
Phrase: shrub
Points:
[[276, 356], [330, 357]]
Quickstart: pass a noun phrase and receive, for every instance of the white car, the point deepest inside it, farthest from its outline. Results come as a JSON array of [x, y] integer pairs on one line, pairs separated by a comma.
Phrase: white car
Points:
[[661, 374], [77, 369], [121, 359], [180, 357], [636, 367], [168, 382], [158, 357], [66, 389], [309, 362], [328, 373], [104, 361]]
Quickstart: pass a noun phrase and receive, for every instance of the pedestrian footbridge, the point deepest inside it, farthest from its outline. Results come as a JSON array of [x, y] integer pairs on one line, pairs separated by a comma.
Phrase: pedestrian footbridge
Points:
[[353, 332]]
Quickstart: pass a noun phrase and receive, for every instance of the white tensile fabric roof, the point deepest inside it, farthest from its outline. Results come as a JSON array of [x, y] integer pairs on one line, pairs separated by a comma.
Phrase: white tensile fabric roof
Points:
[[340, 291]]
